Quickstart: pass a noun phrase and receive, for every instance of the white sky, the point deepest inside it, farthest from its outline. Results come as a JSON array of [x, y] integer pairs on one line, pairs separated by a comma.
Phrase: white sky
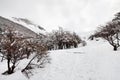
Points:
[[74, 15]]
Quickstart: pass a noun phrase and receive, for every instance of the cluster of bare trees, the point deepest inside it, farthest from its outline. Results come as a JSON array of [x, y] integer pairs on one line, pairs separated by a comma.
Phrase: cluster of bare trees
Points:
[[61, 39], [14, 47], [110, 32]]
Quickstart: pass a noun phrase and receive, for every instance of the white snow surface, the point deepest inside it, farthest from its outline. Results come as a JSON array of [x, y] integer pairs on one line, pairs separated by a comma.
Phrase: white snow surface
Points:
[[96, 61]]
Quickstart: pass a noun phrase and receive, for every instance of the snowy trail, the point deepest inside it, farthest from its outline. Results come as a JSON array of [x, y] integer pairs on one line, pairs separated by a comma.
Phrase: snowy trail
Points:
[[96, 61], [93, 62]]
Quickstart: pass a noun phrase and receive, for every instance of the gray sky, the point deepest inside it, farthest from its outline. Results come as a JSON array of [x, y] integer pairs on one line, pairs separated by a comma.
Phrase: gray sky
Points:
[[74, 15]]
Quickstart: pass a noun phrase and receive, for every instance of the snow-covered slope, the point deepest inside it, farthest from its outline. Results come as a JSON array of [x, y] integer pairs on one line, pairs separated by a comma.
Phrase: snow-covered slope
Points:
[[6, 22], [96, 61], [29, 24]]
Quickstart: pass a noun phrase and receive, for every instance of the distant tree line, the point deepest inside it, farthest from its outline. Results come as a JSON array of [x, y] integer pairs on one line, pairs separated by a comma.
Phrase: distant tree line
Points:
[[110, 32]]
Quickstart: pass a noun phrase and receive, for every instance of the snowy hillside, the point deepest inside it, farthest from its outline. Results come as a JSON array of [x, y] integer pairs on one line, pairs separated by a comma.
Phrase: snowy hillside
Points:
[[28, 24], [96, 61], [6, 22]]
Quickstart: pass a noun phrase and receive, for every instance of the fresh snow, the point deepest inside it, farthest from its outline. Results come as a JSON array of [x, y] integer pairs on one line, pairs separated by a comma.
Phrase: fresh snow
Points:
[[96, 61]]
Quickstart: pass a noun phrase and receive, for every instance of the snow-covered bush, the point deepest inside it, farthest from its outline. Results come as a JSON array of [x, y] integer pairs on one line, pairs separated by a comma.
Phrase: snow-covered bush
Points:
[[15, 47], [12, 45]]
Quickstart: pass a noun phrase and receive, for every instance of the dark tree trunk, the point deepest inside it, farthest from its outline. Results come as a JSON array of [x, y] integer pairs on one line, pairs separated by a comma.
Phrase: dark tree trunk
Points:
[[28, 64], [115, 48], [10, 69], [8, 63], [75, 45]]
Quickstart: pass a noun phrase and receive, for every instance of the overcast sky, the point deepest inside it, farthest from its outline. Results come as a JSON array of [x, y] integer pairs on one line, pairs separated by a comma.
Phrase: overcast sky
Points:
[[74, 15]]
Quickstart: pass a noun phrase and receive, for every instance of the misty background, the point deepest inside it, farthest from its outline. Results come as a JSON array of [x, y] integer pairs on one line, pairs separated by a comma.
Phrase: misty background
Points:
[[74, 15]]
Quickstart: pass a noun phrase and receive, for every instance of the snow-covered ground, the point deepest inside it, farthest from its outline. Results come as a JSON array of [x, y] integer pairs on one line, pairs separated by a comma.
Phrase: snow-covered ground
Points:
[[96, 61]]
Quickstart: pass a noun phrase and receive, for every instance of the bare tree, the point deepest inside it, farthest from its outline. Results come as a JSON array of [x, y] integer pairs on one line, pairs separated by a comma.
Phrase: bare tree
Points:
[[109, 32], [12, 48], [117, 17]]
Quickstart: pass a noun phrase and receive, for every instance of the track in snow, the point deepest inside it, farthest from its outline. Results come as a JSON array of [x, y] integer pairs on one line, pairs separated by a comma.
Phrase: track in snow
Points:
[[96, 61]]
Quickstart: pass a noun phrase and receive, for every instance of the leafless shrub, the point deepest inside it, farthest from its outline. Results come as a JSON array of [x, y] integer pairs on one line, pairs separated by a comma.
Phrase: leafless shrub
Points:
[[109, 32], [12, 48]]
